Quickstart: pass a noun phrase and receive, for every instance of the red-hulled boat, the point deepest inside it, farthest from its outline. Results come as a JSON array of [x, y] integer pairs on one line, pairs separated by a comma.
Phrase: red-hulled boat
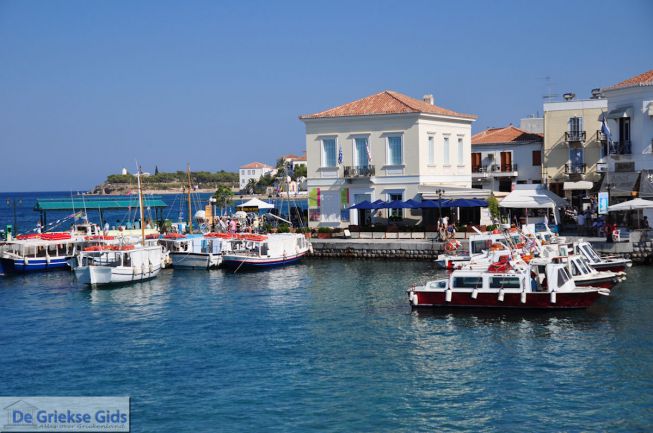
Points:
[[521, 287]]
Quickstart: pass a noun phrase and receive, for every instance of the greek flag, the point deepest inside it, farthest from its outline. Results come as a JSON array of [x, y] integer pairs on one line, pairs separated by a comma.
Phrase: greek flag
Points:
[[340, 155], [605, 130]]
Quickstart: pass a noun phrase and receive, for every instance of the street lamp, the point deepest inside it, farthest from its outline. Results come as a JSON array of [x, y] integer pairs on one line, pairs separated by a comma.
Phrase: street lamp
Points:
[[439, 192], [12, 202]]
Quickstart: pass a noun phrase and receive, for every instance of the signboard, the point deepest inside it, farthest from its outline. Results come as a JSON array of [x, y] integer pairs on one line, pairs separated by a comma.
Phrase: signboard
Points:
[[208, 212], [603, 203], [248, 208]]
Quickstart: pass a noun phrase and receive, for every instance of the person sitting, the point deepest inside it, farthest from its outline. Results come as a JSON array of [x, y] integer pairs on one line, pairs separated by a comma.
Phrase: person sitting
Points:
[[645, 224]]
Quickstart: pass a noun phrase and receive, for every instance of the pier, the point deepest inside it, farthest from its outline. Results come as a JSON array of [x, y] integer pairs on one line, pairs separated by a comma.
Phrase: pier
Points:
[[407, 249]]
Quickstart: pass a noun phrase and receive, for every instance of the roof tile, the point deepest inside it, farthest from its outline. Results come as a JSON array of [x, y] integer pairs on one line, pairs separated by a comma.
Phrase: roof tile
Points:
[[644, 79], [386, 102], [255, 165], [508, 134]]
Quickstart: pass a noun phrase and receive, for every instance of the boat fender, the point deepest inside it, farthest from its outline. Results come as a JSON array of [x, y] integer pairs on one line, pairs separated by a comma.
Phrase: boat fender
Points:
[[501, 295], [412, 297], [553, 297], [523, 297], [474, 293], [47, 260], [26, 261], [604, 292], [447, 295]]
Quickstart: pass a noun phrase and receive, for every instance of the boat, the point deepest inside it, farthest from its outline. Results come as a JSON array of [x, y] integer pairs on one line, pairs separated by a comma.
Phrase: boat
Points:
[[39, 252], [262, 251], [583, 274], [194, 251], [123, 263], [505, 285], [610, 263], [455, 258]]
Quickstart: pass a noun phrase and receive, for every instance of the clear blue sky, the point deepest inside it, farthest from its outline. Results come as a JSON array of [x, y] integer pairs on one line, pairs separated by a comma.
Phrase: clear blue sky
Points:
[[87, 87]]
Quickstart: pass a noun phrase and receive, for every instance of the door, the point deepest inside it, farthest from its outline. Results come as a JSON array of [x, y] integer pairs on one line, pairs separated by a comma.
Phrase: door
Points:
[[506, 161], [576, 160], [476, 162]]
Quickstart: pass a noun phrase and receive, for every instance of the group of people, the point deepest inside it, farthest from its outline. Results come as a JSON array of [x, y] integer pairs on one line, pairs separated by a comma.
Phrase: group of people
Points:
[[446, 230], [250, 224]]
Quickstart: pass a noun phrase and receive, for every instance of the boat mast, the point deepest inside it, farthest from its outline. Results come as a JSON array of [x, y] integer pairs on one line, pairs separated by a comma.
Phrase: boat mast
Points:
[[190, 217], [140, 204]]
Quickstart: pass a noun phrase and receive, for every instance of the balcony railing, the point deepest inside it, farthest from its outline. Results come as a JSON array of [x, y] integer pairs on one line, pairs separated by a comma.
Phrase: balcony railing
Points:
[[575, 168], [600, 136], [621, 147], [494, 168], [359, 171], [575, 136]]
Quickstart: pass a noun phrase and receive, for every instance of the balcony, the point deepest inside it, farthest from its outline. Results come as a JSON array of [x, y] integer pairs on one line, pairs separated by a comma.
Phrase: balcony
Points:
[[496, 169], [600, 136], [575, 136], [571, 169], [621, 147], [359, 171]]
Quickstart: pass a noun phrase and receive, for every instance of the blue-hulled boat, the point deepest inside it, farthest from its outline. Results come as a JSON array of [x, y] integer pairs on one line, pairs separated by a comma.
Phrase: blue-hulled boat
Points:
[[264, 251], [37, 254]]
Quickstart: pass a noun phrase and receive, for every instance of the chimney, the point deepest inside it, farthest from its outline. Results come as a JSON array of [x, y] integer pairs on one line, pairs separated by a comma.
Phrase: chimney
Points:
[[428, 99]]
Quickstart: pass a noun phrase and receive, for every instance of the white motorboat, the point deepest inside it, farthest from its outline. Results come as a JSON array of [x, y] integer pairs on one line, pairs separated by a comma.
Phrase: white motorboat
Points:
[[194, 251]]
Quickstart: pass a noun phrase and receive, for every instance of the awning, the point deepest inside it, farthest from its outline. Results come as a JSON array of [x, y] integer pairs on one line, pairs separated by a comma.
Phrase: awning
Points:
[[646, 184], [429, 192], [622, 183], [532, 197], [638, 203], [580, 185], [255, 202], [620, 112]]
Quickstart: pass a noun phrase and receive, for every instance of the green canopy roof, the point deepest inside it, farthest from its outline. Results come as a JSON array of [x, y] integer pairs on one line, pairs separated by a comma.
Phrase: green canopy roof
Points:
[[95, 203]]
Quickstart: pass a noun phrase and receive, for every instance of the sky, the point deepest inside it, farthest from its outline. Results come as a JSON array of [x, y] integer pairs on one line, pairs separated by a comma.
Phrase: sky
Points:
[[89, 87]]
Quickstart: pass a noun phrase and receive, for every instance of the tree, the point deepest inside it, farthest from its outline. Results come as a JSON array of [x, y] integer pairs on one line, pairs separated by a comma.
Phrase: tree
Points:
[[156, 170], [280, 163], [251, 186], [300, 171], [493, 207], [223, 196]]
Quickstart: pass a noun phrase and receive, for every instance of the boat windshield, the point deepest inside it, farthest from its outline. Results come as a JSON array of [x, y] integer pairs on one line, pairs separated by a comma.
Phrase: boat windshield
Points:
[[477, 247], [582, 262], [575, 268], [590, 254], [563, 277]]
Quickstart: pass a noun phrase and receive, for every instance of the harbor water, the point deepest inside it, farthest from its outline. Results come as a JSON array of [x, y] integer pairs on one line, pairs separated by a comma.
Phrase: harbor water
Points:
[[328, 345]]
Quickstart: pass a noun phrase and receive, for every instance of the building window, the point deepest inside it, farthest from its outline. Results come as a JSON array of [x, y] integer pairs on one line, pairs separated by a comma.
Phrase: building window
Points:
[[242, 172], [431, 149], [537, 158], [576, 159], [394, 150], [395, 214], [445, 150], [461, 157], [575, 127], [362, 158], [329, 152]]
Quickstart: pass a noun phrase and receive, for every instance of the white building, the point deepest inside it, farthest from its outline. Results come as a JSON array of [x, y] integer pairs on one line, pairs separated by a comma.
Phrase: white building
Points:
[[630, 119], [505, 157], [386, 146], [253, 170], [295, 160]]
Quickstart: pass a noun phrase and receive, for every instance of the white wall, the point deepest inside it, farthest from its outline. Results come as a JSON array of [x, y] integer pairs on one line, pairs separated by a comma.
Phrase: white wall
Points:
[[522, 155], [641, 124], [245, 174]]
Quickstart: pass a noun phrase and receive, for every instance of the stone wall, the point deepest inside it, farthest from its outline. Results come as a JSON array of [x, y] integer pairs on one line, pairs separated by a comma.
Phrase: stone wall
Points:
[[377, 249]]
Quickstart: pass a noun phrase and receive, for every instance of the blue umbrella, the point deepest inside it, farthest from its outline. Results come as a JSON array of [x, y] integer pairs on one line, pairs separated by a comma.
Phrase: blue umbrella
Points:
[[412, 204], [358, 205]]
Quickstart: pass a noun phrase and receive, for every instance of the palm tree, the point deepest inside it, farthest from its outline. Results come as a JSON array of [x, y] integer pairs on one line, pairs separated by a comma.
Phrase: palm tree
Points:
[[223, 196]]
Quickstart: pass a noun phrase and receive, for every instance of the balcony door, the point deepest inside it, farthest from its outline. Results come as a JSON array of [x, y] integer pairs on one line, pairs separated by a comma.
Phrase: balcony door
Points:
[[361, 157], [476, 162], [506, 161]]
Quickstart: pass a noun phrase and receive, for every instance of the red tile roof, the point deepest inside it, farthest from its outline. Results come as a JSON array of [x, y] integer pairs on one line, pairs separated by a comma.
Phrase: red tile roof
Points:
[[644, 79], [255, 165], [508, 134], [386, 102], [291, 156]]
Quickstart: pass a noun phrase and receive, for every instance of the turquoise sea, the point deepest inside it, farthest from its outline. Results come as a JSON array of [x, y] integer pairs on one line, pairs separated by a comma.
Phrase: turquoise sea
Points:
[[327, 345]]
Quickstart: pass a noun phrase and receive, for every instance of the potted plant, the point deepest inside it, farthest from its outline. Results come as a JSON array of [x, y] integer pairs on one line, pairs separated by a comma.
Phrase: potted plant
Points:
[[324, 233]]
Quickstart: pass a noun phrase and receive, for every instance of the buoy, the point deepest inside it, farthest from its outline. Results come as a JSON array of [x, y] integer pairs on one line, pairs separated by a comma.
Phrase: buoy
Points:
[[523, 297], [447, 295], [501, 295], [553, 297], [474, 294]]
